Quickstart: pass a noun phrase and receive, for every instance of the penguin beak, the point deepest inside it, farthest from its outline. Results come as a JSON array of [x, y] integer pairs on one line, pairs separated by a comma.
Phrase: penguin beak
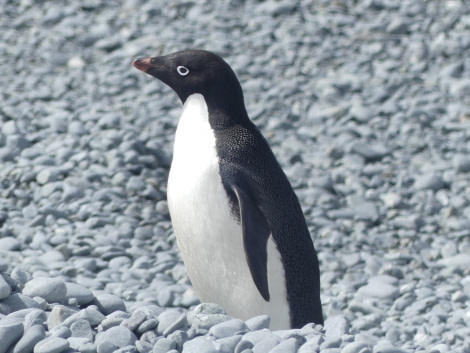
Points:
[[142, 64], [155, 66]]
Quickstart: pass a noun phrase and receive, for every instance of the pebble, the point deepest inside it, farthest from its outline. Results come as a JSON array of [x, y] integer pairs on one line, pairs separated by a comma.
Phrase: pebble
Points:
[[371, 154], [11, 329], [356, 347], [429, 181], [383, 287], [53, 290], [461, 163], [10, 244], [228, 328], [31, 336], [5, 288], [114, 338], [80, 293], [109, 303], [52, 345]]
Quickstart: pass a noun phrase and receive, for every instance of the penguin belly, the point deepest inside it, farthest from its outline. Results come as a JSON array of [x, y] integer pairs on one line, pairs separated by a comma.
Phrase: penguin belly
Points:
[[208, 235]]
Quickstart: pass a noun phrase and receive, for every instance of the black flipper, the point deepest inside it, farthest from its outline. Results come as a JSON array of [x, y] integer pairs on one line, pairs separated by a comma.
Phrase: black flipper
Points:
[[255, 238]]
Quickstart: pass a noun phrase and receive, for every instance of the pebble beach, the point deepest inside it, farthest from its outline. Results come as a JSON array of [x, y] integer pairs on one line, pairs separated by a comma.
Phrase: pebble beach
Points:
[[366, 105]]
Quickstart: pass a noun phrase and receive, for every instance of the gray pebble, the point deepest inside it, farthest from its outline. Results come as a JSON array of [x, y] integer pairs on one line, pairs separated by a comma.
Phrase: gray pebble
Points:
[[202, 344], [9, 244], [52, 345], [147, 325], [384, 287], [289, 345], [119, 336], [61, 331], [336, 326], [243, 345], [461, 163], [228, 328], [371, 154], [135, 320], [19, 301], [356, 347], [109, 303], [5, 288], [58, 315], [429, 181], [76, 343], [258, 322], [163, 345], [34, 317], [179, 337], [229, 344], [53, 290], [81, 328], [11, 329], [82, 294], [180, 323], [266, 344], [90, 314], [32, 335]]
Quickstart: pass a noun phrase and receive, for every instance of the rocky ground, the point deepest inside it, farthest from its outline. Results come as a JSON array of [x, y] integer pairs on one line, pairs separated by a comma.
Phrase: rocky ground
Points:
[[366, 104]]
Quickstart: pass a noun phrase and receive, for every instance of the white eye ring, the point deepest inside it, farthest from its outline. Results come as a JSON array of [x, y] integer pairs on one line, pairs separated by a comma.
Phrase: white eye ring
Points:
[[182, 70]]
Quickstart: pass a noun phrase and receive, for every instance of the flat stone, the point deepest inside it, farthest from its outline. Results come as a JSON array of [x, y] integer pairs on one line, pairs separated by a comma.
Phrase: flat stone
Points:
[[258, 322], [90, 314], [81, 328], [109, 303], [59, 314], [201, 344], [228, 328], [429, 181], [461, 163], [357, 347], [19, 301], [78, 292], [336, 326], [163, 345], [52, 345], [457, 261], [370, 154], [53, 290], [10, 244], [120, 336], [380, 287]]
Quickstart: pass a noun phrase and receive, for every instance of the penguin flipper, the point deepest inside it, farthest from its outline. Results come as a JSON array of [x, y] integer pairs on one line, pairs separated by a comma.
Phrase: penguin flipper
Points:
[[255, 238]]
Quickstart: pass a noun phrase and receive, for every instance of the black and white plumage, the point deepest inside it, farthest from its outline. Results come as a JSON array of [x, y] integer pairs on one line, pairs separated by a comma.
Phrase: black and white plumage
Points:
[[238, 223]]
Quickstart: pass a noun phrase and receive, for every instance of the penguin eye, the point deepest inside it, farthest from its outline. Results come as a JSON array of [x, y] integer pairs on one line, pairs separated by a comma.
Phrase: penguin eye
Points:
[[182, 70]]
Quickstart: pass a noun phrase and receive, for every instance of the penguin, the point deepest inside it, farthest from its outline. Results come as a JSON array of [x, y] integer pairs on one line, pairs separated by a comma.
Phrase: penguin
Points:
[[238, 223]]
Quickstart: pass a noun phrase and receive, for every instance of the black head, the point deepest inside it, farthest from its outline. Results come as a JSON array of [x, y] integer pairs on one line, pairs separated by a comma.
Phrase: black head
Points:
[[197, 71]]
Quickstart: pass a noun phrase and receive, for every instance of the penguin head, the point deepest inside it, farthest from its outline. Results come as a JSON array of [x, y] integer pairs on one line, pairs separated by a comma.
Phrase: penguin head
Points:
[[192, 71]]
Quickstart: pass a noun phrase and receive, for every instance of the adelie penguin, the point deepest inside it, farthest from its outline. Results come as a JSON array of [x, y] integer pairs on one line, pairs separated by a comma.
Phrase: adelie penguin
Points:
[[238, 223]]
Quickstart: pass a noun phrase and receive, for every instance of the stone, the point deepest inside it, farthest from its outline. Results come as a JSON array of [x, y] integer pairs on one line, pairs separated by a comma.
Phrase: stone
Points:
[[53, 290]]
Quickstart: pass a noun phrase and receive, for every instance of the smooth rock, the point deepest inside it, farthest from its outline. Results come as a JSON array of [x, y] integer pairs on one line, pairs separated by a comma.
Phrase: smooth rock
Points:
[[78, 292], [32, 335], [109, 303], [11, 329], [5, 288], [53, 290], [52, 345]]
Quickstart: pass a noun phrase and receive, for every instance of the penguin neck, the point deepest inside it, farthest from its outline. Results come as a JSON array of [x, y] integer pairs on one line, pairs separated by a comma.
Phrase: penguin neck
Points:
[[226, 108]]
